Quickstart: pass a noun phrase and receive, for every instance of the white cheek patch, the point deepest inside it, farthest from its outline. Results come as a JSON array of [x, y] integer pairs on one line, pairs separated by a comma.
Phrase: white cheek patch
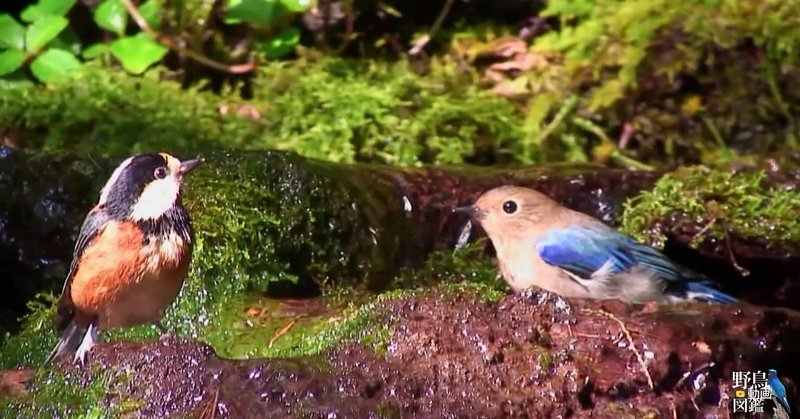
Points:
[[112, 180], [156, 199]]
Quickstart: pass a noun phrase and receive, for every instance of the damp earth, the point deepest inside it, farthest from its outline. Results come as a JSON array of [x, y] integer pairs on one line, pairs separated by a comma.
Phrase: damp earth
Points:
[[328, 290]]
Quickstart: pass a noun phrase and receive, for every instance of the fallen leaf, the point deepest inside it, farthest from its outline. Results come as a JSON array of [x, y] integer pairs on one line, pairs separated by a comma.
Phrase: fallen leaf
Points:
[[702, 347], [13, 383]]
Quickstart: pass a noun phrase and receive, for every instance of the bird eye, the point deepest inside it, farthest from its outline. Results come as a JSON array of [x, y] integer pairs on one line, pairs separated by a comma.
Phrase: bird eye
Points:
[[509, 207], [161, 172]]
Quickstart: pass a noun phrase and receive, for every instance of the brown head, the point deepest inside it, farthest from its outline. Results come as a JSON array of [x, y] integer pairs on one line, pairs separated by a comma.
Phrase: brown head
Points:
[[510, 211]]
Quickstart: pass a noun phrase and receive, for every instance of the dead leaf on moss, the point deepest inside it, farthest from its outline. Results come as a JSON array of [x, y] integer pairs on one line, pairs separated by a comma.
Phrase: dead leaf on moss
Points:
[[243, 111], [13, 383]]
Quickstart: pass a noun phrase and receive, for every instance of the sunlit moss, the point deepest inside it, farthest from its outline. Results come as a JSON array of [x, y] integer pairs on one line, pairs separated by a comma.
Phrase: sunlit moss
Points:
[[452, 268], [55, 394], [737, 203], [273, 217], [623, 410], [36, 339], [332, 109]]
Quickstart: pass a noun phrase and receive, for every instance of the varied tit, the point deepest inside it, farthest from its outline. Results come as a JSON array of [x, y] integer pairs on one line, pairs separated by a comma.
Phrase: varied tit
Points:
[[540, 242], [132, 254]]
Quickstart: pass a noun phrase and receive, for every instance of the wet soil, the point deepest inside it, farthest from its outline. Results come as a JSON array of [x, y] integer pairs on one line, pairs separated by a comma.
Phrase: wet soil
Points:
[[531, 355]]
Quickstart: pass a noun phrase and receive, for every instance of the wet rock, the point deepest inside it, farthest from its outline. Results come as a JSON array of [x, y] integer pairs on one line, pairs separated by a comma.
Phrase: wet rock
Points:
[[311, 222], [455, 355], [307, 224]]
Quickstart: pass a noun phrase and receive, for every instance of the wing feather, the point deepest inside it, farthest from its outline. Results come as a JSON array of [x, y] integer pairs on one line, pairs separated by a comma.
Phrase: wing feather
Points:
[[93, 225], [585, 250]]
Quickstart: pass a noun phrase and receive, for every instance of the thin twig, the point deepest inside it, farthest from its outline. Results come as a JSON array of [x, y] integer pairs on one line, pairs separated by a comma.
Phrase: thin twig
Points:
[[631, 344], [437, 24], [694, 403], [703, 230], [627, 132], [585, 335], [742, 270], [170, 43], [776, 95], [214, 406], [282, 331], [630, 162], [210, 409], [617, 154], [562, 114], [717, 136]]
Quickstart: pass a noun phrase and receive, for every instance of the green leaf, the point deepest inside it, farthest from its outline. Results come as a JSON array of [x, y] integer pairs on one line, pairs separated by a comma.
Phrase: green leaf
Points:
[[298, 6], [67, 40], [136, 53], [12, 34], [54, 65], [11, 60], [282, 44], [389, 10], [95, 51], [259, 12], [43, 31], [151, 12], [44, 8], [112, 16]]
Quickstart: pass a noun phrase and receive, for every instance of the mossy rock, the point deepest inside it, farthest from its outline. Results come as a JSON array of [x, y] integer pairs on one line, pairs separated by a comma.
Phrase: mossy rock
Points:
[[268, 223], [744, 204], [263, 221]]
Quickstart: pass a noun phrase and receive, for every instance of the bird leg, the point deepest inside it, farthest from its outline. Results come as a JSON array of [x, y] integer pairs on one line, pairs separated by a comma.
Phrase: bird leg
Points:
[[165, 334], [88, 342]]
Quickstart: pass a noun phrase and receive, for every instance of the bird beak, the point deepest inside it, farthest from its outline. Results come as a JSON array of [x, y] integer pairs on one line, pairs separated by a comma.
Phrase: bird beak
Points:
[[471, 210], [189, 165]]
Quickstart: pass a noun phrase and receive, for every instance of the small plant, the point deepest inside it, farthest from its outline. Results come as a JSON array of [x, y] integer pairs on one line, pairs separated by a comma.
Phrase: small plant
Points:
[[37, 42], [45, 44]]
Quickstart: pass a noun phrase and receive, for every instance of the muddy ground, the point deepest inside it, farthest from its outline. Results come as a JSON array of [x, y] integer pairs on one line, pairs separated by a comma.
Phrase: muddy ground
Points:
[[532, 355]]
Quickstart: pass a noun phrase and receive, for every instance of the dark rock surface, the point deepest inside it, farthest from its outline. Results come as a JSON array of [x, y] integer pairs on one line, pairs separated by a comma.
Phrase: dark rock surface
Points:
[[532, 355], [360, 219]]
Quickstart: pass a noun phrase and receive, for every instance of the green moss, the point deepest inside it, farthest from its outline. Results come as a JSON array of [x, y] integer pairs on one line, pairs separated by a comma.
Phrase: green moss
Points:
[[348, 314], [35, 340], [332, 109], [118, 114], [348, 111], [627, 411], [263, 219], [739, 202], [545, 360], [452, 269], [55, 394]]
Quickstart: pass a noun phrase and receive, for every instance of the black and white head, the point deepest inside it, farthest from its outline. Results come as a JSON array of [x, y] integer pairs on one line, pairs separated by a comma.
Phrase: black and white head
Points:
[[145, 187]]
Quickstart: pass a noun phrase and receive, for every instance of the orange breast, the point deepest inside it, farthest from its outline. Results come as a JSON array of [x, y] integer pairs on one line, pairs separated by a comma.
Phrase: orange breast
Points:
[[110, 262]]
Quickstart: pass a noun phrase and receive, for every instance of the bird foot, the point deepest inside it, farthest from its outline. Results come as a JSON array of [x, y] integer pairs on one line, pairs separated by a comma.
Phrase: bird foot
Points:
[[165, 334], [88, 342]]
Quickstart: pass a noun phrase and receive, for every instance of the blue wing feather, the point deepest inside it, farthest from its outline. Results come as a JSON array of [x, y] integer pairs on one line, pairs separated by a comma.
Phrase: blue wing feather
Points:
[[582, 250]]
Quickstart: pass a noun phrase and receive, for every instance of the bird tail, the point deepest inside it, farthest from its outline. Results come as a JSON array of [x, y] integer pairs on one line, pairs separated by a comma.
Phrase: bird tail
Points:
[[702, 291], [69, 342]]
